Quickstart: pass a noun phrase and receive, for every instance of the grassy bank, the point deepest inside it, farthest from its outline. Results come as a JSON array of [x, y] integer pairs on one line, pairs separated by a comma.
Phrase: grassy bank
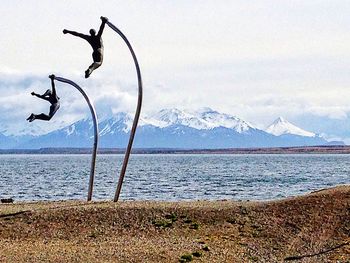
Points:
[[311, 228]]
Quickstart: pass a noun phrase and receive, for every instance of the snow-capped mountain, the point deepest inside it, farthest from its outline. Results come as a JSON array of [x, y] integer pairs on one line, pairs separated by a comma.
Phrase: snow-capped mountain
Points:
[[281, 126], [173, 128], [203, 119]]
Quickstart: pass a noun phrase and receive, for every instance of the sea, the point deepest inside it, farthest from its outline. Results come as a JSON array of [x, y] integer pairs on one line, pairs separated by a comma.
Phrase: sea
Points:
[[171, 177]]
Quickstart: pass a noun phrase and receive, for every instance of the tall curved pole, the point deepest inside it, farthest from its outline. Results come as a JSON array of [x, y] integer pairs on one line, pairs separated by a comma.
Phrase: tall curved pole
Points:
[[137, 113], [94, 119]]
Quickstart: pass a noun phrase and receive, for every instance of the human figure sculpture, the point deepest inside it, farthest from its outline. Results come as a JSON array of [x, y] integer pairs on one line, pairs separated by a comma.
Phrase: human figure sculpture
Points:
[[96, 43], [50, 96]]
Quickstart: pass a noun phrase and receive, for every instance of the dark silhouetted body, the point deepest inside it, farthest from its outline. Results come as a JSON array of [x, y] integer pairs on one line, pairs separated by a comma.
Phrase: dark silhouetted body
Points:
[[95, 40], [50, 96]]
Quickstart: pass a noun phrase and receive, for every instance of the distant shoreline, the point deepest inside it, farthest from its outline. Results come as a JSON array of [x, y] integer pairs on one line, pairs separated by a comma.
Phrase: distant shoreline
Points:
[[329, 149]]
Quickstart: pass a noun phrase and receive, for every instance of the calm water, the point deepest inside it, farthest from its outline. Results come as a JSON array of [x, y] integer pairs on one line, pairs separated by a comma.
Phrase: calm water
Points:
[[171, 177]]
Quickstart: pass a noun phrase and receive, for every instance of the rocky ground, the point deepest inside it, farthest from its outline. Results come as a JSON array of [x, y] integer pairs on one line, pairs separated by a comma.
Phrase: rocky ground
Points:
[[311, 228]]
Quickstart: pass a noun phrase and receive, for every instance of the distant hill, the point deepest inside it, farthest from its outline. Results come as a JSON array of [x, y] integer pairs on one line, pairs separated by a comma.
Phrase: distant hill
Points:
[[325, 149]]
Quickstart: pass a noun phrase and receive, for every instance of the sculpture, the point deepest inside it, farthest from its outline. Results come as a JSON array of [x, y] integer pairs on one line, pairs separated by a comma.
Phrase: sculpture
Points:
[[95, 123], [137, 113], [96, 43], [50, 96], [95, 40]]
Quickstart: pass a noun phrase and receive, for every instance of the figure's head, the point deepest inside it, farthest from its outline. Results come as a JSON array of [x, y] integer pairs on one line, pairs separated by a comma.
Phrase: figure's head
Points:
[[92, 32]]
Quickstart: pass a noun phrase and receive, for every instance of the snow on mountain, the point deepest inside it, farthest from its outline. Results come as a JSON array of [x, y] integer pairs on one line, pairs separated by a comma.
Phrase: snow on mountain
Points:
[[281, 126], [168, 117], [216, 119], [119, 122], [204, 119], [78, 128]]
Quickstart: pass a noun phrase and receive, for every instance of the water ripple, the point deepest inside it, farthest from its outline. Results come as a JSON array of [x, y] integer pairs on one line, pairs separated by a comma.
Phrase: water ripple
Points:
[[171, 177]]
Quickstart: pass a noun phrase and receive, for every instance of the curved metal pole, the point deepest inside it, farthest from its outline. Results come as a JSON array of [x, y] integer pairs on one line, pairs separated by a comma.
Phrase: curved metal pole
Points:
[[94, 119], [137, 113]]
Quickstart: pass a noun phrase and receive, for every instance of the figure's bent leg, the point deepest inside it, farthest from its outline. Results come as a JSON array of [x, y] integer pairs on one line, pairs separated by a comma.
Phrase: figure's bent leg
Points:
[[91, 68], [41, 116], [30, 118], [45, 117], [53, 109], [98, 58]]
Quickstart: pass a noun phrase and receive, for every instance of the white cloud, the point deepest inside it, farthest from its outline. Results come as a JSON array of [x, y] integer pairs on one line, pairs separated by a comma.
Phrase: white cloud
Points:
[[254, 59]]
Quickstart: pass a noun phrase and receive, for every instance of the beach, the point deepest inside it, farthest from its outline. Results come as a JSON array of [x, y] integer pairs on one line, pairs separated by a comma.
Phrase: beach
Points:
[[310, 228]]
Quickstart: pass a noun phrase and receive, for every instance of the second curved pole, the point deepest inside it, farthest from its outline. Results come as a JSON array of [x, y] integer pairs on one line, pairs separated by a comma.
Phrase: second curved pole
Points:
[[94, 119], [137, 113]]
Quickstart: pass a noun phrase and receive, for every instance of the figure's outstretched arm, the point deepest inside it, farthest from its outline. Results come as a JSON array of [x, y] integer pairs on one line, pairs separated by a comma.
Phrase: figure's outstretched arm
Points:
[[65, 31], [52, 77], [40, 96], [100, 31]]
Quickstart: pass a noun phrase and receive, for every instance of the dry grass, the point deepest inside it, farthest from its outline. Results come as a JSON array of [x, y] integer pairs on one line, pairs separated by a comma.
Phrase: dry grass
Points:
[[312, 228]]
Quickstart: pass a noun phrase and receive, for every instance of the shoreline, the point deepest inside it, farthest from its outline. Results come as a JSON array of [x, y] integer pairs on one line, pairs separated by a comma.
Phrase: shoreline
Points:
[[315, 227], [323, 149], [100, 201]]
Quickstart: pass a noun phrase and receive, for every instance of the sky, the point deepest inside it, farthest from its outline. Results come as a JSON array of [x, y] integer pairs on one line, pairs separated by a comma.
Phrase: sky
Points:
[[257, 60]]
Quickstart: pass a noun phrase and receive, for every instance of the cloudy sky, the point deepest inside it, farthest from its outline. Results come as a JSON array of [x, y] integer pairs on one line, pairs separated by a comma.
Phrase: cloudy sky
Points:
[[254, 59]]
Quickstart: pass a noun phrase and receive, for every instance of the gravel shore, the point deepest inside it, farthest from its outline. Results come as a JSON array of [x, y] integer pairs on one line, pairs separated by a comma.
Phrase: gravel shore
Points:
[[310, 228]]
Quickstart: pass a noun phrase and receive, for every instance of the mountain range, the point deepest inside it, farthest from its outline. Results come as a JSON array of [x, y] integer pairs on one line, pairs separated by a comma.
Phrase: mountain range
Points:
[[170, 128]]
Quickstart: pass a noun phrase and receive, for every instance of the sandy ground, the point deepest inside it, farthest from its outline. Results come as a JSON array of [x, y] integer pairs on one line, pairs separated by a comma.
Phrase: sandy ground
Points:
[[311, 228]]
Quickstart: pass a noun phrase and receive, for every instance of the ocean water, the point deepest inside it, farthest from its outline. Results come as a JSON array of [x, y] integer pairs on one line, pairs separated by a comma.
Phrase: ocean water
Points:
[[171, 177]]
